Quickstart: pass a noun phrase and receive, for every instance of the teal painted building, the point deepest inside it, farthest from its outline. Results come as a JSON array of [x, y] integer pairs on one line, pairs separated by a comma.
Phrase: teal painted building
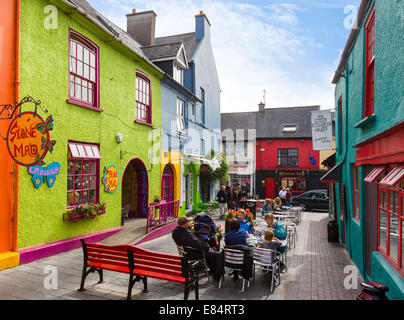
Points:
[[369, 99]]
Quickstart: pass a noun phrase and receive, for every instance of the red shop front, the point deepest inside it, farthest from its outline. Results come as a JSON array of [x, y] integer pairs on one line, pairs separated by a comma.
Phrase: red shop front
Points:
[[383, 160]]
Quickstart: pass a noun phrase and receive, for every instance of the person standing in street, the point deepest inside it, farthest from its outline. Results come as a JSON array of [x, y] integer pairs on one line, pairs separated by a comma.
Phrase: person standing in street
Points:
[[231, 200], [282, 195], [222, 199], [288, 198]]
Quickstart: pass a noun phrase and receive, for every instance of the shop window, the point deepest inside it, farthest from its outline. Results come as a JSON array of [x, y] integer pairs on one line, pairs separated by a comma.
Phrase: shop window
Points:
[[356, 192], [370, 66], [391, 224], [288, 158], [83, 71], [143, 98], [82, 174], [297, 185]]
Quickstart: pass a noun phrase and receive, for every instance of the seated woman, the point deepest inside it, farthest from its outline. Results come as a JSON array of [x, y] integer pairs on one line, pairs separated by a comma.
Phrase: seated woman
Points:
[[277, 204], [244, 223], [235, 236], [275, 227], [267, 207]]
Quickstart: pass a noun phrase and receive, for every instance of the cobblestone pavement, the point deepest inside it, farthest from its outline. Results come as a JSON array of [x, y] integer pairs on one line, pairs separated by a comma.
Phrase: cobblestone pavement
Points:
[[315, 272]]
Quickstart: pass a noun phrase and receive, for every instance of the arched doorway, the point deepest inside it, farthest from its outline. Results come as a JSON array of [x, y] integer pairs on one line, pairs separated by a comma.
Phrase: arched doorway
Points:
[[167, 184], [135, 191]]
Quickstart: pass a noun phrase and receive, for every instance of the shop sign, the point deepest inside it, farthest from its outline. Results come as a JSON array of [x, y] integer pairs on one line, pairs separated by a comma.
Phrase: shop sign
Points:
[[111, 179], [40, 173], [28, 139], [321, 126], [144, 191]]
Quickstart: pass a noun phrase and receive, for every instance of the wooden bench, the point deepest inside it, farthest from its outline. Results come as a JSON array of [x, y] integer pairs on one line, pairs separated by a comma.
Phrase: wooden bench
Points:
[[139, 264]]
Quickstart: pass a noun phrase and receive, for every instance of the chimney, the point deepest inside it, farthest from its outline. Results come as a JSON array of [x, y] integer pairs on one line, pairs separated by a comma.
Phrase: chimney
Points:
[[261, 106], [202, 26], [142, 26]]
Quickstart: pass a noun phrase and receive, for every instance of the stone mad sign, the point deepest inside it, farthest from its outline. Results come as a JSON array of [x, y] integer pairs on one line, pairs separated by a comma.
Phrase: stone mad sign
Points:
[[321, 126], [27, 144]]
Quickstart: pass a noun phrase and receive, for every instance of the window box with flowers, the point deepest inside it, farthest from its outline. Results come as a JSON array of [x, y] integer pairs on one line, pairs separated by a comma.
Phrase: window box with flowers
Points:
[[85, 211]]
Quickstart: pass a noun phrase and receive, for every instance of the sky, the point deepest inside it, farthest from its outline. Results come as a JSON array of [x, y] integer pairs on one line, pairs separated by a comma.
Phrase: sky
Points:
[[289, 48]]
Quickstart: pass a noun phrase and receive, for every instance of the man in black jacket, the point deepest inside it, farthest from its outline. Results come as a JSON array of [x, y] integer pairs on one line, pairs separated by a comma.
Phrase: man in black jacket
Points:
[[183, 236], [222, 198]]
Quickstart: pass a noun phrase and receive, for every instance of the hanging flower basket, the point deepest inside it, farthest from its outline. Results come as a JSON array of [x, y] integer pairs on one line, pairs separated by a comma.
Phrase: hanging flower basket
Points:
[[85, 211]]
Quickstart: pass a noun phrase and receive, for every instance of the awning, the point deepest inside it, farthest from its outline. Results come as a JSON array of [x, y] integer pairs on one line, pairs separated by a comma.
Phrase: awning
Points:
[[333, 175], [372, 176], [84, 150], [213, 163], [329, 162], [393, 177]]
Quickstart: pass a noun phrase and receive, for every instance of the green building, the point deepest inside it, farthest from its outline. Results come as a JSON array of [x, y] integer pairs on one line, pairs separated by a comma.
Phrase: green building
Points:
[[105, 99], [369, 99]]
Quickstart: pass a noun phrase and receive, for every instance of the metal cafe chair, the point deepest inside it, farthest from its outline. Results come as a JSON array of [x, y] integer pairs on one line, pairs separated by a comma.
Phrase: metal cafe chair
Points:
[[234, 260], [203, 260], [267, 260]]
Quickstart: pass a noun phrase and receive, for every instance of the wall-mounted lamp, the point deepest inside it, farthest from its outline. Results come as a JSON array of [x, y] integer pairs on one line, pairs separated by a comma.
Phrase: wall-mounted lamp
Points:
[[119, 137]]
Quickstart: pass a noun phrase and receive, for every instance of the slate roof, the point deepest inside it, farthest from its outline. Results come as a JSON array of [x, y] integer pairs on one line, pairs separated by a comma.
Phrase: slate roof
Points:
[[123, 36], [188, 39], [162, 51], [269, 123]]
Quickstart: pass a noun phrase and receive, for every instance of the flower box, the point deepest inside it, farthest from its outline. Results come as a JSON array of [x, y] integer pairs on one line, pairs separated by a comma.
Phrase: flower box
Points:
[[85, 211]]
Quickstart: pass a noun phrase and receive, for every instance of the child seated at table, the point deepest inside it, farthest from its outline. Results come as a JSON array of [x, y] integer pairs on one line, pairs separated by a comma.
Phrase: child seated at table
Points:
[[270, 242]]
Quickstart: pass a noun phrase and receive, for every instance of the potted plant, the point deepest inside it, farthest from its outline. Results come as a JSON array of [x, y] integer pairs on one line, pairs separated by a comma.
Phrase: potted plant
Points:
[[156, 200]]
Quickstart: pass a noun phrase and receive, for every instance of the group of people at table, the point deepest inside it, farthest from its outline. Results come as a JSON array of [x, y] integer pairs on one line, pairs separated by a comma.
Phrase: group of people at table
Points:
[[239, 236]]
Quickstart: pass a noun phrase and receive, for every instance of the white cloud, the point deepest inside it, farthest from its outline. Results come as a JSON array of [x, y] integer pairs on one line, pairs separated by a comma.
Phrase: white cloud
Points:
[[255, 48]]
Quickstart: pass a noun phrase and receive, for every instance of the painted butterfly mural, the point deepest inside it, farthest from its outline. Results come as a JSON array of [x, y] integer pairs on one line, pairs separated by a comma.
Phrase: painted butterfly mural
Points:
[[40, 173], [47, 125], [48, 145]]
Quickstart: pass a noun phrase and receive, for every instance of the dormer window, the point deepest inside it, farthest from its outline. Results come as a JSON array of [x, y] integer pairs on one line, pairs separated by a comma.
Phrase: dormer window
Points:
[[289, 129], [178, 74]]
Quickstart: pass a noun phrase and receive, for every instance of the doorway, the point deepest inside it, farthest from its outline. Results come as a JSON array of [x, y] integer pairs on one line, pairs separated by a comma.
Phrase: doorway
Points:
[[189, 190], [135, 191], [270, 188]]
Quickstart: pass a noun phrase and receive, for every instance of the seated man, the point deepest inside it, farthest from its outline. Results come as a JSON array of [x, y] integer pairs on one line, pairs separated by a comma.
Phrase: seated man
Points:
[[183, 236]]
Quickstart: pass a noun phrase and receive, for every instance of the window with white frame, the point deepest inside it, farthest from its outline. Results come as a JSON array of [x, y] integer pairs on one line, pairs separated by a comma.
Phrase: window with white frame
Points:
[[180, 116], [241, 149], [178, 74]]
